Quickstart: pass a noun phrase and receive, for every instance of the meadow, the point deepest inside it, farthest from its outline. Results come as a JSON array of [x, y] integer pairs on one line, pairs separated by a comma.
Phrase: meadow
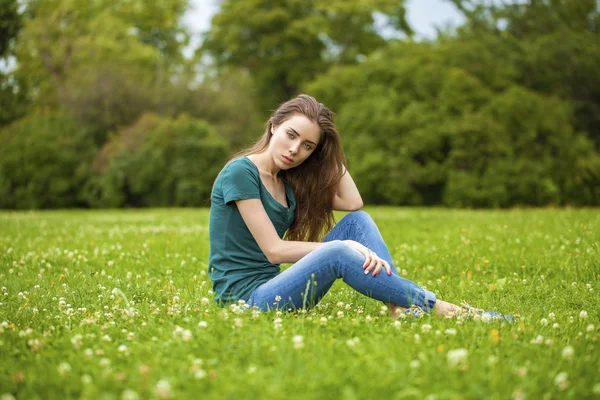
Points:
[[117, 305]]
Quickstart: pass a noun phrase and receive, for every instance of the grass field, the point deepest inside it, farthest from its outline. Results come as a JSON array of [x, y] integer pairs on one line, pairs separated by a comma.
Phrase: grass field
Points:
[[117, 305]]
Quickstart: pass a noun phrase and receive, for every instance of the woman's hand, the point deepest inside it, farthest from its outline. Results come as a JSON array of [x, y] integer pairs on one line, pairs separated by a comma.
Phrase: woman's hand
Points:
[[372, 261]]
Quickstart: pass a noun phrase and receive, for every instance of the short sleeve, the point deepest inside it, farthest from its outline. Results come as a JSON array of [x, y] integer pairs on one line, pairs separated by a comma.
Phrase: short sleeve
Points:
[[239, 181]]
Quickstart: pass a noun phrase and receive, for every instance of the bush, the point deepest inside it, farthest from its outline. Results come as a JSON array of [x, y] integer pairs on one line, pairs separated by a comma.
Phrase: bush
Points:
[[158, 162], [44, 161]]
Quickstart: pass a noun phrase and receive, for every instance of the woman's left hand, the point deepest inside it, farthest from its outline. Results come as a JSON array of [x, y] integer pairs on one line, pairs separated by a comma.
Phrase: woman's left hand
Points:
[[372, 261]]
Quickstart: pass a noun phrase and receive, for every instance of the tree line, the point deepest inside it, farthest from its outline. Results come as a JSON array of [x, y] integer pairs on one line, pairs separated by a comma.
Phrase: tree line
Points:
[[102, 108]]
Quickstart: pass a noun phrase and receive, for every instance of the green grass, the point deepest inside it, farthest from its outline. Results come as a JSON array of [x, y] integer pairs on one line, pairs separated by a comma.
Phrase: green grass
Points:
[[107, 304]]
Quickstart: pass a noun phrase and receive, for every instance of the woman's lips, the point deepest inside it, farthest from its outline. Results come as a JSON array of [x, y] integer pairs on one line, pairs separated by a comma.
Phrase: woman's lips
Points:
[[287, 159]]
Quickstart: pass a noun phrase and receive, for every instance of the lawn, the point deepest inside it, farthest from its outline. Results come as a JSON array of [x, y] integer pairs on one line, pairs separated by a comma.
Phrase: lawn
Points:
[[117, 305]]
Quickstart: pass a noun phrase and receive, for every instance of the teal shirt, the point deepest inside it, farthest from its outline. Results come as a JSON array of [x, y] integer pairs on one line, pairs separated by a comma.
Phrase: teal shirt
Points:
[[237, 265]]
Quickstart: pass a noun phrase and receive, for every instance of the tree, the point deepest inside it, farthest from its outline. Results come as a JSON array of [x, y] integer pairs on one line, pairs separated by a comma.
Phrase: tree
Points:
[[287, 43]]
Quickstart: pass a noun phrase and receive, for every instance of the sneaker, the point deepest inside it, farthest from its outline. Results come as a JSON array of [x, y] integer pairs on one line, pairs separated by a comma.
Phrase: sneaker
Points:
[[414, 312], [485, 316]]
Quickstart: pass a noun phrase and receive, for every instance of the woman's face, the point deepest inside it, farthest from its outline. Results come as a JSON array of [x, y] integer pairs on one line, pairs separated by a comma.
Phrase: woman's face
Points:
[[293, 141]]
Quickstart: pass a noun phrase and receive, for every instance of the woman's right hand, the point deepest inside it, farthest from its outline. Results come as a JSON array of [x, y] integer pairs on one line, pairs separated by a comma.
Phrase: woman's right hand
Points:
[[372, 261]]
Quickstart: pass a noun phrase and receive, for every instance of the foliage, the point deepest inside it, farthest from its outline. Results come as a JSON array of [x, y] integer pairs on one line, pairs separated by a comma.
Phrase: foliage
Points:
[[158, 162], [287, 43], [44, 161]]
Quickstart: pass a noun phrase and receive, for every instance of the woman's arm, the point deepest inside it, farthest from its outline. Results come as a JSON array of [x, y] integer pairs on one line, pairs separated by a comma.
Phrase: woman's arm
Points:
[[277, 250], [284, 251], [347, 197]]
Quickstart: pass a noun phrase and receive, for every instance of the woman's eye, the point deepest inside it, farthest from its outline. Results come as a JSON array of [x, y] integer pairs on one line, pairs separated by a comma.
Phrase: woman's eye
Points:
[[307, 146], [290, 135]]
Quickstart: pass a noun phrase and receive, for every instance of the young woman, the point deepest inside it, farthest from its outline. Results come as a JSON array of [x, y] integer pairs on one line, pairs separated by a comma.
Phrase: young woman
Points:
[[290, 181]]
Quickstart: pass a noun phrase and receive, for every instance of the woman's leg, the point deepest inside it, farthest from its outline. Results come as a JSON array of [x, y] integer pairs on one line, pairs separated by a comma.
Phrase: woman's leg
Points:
[[307, 281]]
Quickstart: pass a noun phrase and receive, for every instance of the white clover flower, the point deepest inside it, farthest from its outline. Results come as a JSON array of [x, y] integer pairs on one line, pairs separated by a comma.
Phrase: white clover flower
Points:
[[492, 360], [204, 301], [110, 263], [583, 314], [104, 362], [122, 348], [562, 380], [88, 352], [368, 318], [239, 323], [590, 328], [424, 328], [86, 379], [457, 358], [543, 322], [64, 368], [539, 339], [552, 316], [415, 364], [450, 331], [200, 374], [298, 341], [555, 325], [129, 394], [340, 314], [252, 369], [397, 324], [486, 318], [203, 324], [323, 321], [163, 389], [568, 353], [76, 340]]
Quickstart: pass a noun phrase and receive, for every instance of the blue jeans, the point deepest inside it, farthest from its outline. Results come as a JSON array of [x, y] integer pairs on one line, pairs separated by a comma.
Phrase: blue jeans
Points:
[[303, 284]]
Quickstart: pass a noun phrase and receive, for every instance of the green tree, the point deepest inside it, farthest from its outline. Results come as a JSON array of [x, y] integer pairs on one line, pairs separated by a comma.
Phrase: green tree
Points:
[[286, 43]]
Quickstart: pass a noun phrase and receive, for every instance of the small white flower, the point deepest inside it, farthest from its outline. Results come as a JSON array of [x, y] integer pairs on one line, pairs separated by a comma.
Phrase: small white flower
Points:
[[323, 321], [539, 339], [568, 353], [583, 314], [129, 394], [340, 314], [552, 316], [88, 352], [186, 335], [450, 331], [415, 364], [64, 368], [204, 301], [562, 380], [457, 358], [543, 322], [298, 341], [590, 328], [492, 359], [555, 325], [104, 362], [425, 328], [278, 298], [203, 324], [122, 348], [397, 324], [368, 318], [163, 389], [86, 379], [200, 374]]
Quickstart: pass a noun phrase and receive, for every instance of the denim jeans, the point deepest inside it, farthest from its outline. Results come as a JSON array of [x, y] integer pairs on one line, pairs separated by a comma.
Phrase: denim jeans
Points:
[[303, 284]]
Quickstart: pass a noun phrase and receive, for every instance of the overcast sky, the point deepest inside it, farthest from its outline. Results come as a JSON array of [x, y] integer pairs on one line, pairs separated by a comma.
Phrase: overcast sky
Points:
[[423, 16]]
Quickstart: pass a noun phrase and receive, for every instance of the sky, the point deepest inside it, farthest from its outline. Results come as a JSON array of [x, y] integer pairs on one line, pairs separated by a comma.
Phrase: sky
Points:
[[423, 16]]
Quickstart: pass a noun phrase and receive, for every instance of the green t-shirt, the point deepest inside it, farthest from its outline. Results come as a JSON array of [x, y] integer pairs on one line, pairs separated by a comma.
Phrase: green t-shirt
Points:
[[237, 265]]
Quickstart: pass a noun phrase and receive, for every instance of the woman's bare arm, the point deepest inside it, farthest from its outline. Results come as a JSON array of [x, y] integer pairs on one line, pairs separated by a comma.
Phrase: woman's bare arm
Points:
[[284, 251], [262, 229], [347, 197]]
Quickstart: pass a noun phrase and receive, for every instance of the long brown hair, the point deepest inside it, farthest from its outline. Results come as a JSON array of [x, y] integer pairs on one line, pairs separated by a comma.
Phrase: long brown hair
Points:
[[315, 180]]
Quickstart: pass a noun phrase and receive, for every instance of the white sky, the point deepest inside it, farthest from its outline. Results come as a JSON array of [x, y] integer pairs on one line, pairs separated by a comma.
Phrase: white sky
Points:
[[423, 16]]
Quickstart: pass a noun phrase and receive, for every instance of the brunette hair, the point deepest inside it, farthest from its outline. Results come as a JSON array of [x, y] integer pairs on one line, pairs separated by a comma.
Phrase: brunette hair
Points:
[[315, 180]]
